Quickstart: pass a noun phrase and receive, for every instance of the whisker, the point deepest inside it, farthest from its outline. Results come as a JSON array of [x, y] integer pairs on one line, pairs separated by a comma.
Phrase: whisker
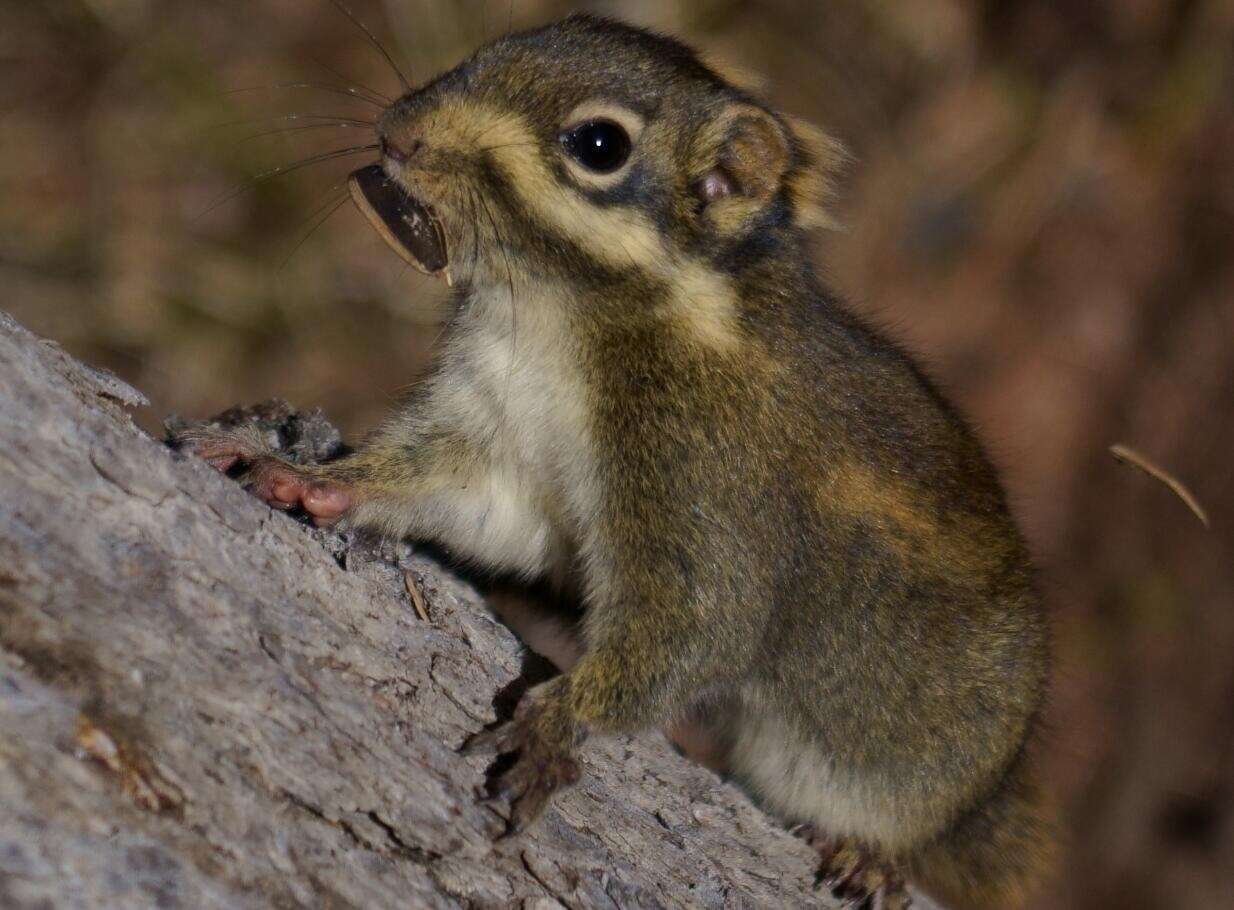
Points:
[[275, 118], [502, 421], [488, 212], [476, 137], [287, 169], [472, 221], [298, 129], [318, 86], [342, 8], [334, 203], [421, 317], [506, 145], [372, 93]]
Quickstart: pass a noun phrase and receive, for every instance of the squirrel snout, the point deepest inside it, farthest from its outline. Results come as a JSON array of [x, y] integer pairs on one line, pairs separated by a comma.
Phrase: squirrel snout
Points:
[[400, 152]]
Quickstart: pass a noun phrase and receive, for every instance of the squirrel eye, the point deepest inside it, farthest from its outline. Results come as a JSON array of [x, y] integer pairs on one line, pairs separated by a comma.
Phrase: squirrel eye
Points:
[[598, 145]]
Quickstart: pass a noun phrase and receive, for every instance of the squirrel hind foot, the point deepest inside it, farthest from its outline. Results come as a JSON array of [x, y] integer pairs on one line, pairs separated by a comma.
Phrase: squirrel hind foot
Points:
[[856, 875]]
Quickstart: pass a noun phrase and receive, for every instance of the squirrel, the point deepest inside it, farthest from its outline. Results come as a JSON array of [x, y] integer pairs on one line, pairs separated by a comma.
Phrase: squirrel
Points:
[[776, 526]]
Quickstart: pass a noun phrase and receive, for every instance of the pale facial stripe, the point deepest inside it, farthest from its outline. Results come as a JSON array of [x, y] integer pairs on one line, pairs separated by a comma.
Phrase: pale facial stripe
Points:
[[619, 237]]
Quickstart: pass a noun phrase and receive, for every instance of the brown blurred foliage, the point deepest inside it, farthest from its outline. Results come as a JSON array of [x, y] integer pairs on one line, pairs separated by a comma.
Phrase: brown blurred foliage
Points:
[[1041, 203]]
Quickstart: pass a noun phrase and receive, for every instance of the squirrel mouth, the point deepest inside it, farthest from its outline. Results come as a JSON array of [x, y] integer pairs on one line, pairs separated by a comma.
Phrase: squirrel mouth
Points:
[[408, 225]]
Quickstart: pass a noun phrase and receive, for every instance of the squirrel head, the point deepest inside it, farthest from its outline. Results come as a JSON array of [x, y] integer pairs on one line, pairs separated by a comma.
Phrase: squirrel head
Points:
[[589, 147]]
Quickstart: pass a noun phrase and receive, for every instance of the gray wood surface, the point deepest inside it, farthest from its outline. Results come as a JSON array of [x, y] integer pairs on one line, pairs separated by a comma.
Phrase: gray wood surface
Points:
[[206, 704]]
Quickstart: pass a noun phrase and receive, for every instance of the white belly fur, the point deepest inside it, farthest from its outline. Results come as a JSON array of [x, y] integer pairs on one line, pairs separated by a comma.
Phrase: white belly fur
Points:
[[802, 784]]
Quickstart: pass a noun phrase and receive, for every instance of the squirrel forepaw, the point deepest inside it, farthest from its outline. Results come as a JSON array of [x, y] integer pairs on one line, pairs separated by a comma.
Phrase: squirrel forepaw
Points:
[[276, 482]]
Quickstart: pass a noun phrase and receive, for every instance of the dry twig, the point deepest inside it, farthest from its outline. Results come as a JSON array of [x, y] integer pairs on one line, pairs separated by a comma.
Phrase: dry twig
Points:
[[417, 599], [1127, 455]]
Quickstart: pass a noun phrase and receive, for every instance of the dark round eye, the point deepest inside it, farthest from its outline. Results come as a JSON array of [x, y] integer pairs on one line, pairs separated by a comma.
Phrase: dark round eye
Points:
[[598, 145]]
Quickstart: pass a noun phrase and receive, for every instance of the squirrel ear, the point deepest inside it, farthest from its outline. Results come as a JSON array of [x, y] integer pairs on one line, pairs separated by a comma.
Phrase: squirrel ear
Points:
[[752, 157], [810, 186]]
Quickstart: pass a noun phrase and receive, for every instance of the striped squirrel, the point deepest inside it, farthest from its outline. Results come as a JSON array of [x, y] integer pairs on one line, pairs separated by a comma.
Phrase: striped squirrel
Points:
[[776, 526]]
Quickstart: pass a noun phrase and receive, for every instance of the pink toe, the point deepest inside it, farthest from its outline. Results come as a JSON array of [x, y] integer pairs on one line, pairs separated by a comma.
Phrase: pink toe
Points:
[[286, 490], [326, 502]]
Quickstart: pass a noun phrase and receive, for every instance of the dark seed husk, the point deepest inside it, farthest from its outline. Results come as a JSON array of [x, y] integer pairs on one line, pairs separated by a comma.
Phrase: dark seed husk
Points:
[[406, 224]]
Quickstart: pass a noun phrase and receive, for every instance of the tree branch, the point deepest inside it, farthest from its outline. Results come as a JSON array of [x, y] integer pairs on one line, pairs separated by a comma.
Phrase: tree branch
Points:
[[205, 704]]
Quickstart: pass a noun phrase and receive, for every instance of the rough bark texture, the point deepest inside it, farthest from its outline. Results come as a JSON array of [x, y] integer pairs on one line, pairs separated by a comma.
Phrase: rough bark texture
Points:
[[205, 704]]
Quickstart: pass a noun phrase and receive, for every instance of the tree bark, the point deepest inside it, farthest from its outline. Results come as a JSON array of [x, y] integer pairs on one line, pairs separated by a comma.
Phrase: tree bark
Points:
[[203, 703]]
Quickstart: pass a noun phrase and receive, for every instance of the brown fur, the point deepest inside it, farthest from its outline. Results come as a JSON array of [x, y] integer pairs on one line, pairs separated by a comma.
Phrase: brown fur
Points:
[[773, 522]]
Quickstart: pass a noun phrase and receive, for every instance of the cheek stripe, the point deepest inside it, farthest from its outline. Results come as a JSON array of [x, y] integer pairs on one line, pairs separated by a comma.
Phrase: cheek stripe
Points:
[[574, 232]]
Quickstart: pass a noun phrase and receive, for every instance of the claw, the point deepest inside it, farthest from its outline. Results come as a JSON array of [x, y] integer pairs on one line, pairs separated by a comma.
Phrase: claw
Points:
[[223, 463], [496, 740], [525, 811], [859, 879], [223, 448]]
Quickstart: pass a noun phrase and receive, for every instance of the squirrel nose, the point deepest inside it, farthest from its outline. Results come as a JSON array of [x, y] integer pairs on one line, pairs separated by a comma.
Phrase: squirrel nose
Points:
[[400, 153]]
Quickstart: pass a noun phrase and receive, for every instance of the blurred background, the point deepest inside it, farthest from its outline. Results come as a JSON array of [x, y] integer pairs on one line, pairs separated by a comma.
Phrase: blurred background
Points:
[[1041, 203]]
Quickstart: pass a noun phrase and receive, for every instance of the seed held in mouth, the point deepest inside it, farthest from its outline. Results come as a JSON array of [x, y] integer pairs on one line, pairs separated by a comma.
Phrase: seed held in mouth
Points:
[[406, 224]]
